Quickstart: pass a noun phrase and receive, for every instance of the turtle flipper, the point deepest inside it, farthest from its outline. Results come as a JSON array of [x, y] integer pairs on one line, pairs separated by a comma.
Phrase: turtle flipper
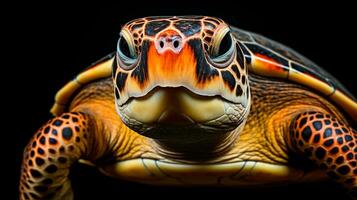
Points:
[[328, 142], [50, 154]]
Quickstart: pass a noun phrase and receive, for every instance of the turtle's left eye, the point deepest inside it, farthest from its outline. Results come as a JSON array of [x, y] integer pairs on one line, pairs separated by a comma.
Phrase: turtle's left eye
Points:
[[222, 49], [126, 53]]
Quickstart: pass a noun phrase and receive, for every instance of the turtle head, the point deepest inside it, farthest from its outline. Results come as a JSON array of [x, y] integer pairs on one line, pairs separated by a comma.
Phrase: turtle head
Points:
[[180, 78]]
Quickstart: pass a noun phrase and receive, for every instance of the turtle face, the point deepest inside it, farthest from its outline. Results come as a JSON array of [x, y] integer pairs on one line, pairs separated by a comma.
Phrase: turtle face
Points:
[[180, 77]]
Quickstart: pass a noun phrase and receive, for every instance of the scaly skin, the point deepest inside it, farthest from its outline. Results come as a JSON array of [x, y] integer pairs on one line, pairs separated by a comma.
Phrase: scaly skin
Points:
[[263, 138], [251, 134]]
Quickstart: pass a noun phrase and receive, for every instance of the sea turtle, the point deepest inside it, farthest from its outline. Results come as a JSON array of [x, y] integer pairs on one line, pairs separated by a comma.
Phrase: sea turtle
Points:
[[191, 100]]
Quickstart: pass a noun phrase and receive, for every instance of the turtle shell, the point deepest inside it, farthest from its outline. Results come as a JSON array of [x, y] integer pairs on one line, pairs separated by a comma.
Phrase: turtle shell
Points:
[[269, 58], [97, 70]]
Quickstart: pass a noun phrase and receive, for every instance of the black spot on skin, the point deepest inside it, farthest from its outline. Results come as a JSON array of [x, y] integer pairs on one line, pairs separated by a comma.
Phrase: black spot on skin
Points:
[[340, 140], [328, 143], [47, 130], [52, 151], [74, 119], [65, 116], [343, 170], [327, 122], [344, 148], [317, 125], [344, 130], [327, 132], [302, 122], [53, 141], [353, 163], [71, 148], [188, 27], [39, 161], [61, 149], [339, 160], [34, 144], [335, 124], [320, 153], [229, 79], [32, 153], [76, 128], [239, 91], [78, 139], [51, 169], [47, 181], [306, 134], [116, 93], [348, 138], [243, 79], [152, 28], [355, 171], [120, 82], [40, 188], [30, 162], [207, 39], [140, 73], [62, 160], [317, 138], [67, 133], [349, 156], [203, 70], [40, 151], [236, 71], [338, 131], [57, 122], [319, 116], [43, 140], [301, 143], [54, 132], [334, 150], [35, 173]]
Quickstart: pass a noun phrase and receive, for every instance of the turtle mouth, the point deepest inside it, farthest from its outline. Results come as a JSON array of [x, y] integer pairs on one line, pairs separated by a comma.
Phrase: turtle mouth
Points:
[[188, 90], [174, 106], [179, 114]]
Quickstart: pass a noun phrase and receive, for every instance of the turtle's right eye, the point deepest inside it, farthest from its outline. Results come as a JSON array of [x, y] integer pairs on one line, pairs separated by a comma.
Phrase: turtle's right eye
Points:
[[126, 52]]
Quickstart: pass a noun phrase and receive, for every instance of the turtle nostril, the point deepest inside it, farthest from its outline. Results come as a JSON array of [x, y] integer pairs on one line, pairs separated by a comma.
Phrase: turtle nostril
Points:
[[161, 44], [176, 43]]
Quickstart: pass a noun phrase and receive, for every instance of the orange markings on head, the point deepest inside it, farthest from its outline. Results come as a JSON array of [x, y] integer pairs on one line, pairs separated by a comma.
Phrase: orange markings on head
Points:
[[169, 65]]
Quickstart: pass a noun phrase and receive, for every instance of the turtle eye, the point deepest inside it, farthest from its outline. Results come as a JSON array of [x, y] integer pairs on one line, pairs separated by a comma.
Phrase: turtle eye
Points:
[[222, 49], [126, 53]]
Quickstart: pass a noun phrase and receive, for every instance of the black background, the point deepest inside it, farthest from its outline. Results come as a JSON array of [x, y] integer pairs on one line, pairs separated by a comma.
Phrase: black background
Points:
[[55, 42]]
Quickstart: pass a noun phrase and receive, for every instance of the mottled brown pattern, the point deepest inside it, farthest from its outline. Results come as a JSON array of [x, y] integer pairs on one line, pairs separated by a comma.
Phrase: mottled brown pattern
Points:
[[328, 142]]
